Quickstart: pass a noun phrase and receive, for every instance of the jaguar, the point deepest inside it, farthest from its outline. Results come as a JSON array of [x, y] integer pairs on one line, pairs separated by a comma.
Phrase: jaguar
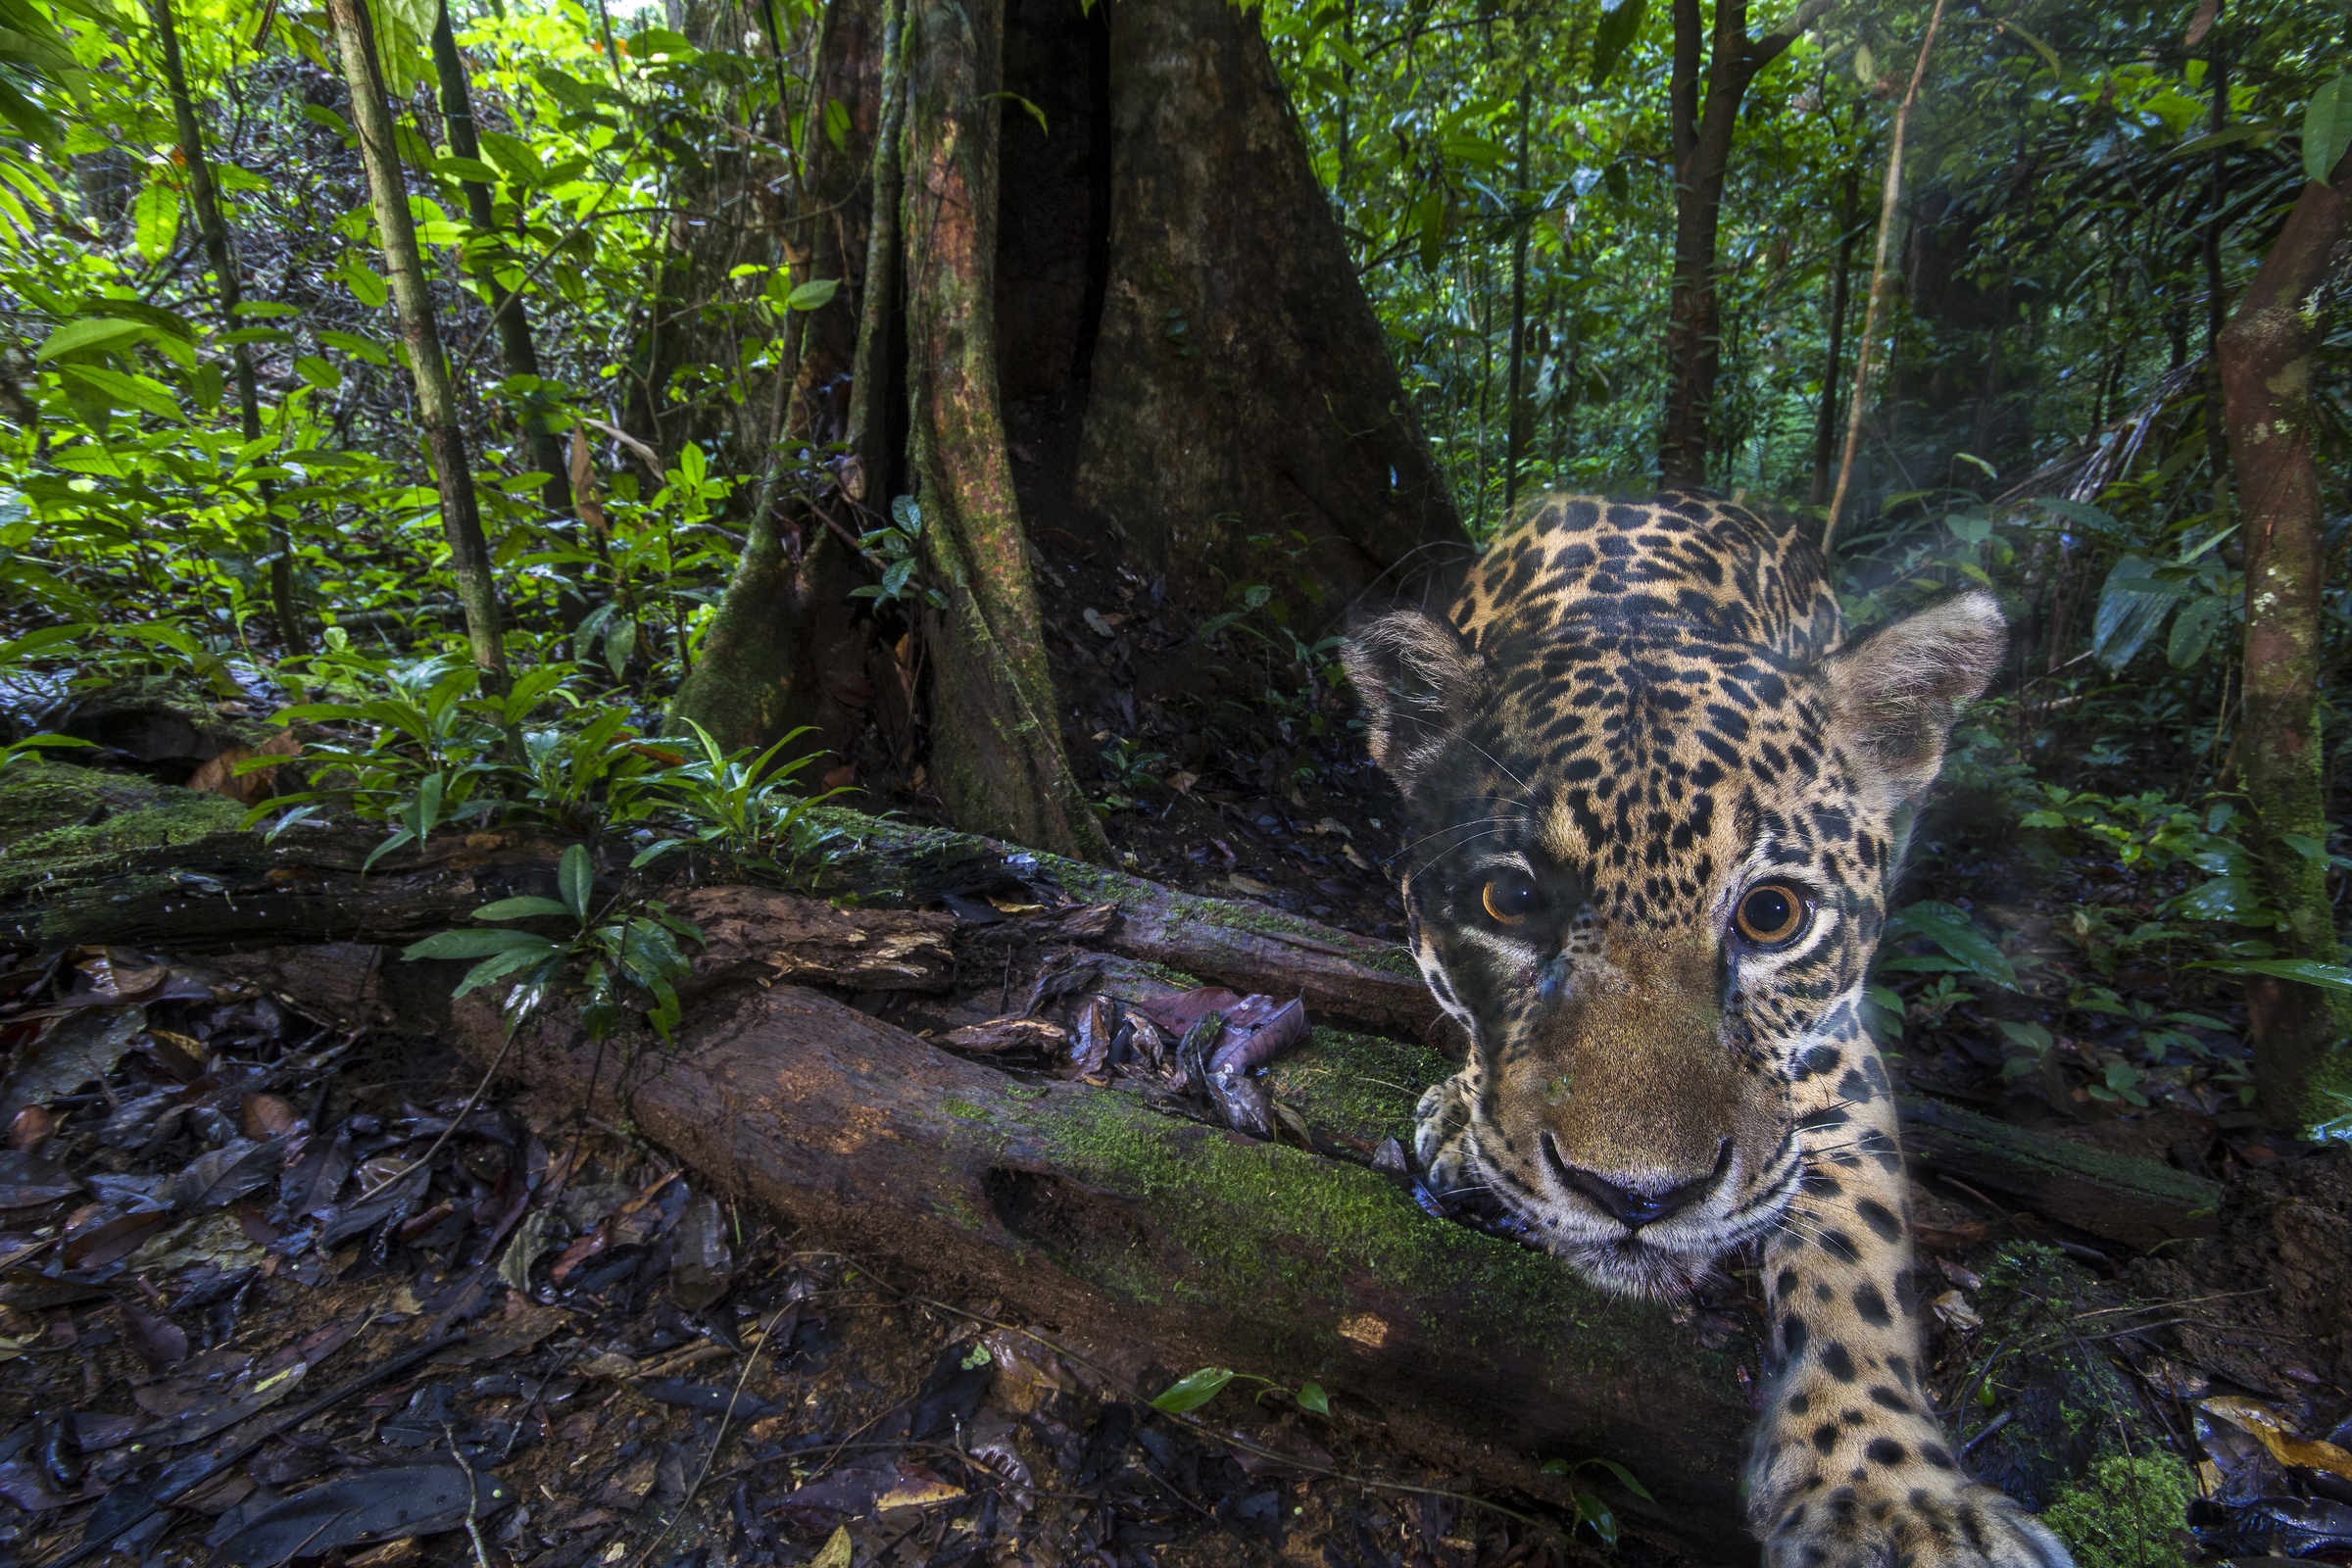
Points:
[[1658, 797]]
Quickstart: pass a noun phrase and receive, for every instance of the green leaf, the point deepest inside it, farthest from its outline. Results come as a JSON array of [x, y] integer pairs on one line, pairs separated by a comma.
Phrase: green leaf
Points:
[[519, 908], [88, 333], [575, 879], [500, 965], [141, 393], [2193, 628], [1192, 1392], [155, 219], [2237, 899], [1311, 1397], [2327, 129], [366, 286], [2307, 972], [474, 944], [473, 169], [813, 295], [1625, 1478], [1620, 21], [359, 348], [321, 373], [2033, 1036], [1949, 928], [514, 158], [2132, 604]]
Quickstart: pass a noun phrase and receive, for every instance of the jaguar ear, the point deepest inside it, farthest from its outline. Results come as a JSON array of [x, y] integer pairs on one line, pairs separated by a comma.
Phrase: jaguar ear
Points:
[[1899, 690], [1413, 674]]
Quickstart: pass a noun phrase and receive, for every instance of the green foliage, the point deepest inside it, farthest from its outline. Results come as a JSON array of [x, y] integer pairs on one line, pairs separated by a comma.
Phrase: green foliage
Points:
[[1194, 1390], [612, 948], [1591, 1508], [2132, 1514], [893, 550], [743, 810]]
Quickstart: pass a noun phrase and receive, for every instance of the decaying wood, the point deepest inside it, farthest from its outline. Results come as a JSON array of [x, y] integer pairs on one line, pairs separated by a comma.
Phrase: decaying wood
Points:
[[167, 869], [2136, 1201], [764, 935], [1082, 1207]]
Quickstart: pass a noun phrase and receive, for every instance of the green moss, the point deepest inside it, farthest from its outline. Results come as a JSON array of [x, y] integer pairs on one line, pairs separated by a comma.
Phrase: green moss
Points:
[[2130, 1515], [963, 1109], [180, 816], [1292, 1235], [1360, 1085], [36, 797]]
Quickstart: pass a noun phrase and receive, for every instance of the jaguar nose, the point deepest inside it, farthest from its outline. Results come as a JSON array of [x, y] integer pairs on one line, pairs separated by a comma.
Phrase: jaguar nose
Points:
[[1631, 1205]]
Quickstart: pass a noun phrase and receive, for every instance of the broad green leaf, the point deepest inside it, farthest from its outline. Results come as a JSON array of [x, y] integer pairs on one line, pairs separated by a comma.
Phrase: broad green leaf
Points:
[[500, 965], [519, 908], [155, 219], [87, 333], [473, 169], [1311, 1397], [575, 879], [2309, 971], [2033, 1036], [2194, 629], [366, 286], [514, 158], [2132, 605], [1625, 1478], [359, 348], [321, 373], [813, 295], [1949, 928], [141, 393], [1192, 1392], [2237, 899], [2327, 129], [473, 943]]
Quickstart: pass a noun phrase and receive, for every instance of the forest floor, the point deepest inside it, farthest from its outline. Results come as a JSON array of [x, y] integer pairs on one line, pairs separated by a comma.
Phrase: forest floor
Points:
[[192, 1259]]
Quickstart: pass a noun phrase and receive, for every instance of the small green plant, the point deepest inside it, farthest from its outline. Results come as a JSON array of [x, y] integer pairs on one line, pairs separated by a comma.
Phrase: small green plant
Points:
[[743, 808], [2130, 1515], [611, 948], [893, 550], [1189, 1393], [1131, 771], [1591, 1507]]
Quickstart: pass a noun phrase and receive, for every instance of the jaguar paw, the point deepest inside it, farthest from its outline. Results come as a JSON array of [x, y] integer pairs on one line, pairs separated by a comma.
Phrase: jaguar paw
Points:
[[1965, 1527], [1443, 1145]]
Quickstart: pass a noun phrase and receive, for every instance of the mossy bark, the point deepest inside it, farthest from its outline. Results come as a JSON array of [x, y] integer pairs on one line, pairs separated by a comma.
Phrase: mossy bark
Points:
[[783, 629], [2271, 365], [996, 745]]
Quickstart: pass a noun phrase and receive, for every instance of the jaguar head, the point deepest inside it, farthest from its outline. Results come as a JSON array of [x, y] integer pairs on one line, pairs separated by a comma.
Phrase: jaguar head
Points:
[[1647, 875]]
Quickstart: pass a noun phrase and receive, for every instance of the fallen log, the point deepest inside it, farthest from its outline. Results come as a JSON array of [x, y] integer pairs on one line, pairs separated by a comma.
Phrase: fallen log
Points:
[[1084, 1208], [92, 856], [2120, 1196]]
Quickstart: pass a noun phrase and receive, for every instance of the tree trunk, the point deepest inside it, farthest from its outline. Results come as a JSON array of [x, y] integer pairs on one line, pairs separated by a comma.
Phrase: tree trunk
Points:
[[2270, 364], [996, 740], [1240, 384], [206, 199], [783, 638], [1703, 115], [436, 399], [544, 447], [1841, 287]]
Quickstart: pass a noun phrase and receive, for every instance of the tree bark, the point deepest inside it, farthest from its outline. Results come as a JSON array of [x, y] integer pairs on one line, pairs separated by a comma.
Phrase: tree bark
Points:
[[1240, 384], [1842, 287], [783, 638], [436, 399], [1703, 115], [2270, 364], [996, 744], [205, 196], [510, 318]]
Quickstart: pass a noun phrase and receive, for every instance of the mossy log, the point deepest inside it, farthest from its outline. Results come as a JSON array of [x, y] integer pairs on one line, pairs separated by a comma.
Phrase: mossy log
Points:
[[92, 856], [1085, 1210]]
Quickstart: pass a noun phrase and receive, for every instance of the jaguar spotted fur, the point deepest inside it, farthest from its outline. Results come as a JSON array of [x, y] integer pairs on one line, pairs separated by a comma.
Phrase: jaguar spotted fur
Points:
[[1658, 799]]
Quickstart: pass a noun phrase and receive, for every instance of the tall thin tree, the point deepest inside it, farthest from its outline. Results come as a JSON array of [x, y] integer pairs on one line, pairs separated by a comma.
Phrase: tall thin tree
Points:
[[429, 366], [212, 225]]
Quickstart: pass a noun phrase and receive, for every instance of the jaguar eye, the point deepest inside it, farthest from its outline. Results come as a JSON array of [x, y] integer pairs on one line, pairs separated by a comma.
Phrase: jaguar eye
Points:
[[1773, 914], [1510, 897]]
